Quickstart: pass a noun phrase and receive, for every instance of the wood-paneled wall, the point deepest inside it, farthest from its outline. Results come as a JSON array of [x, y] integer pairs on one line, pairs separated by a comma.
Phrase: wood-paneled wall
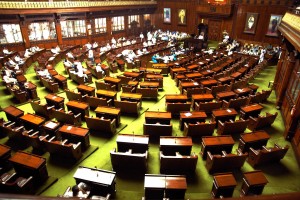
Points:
[[264, 14]]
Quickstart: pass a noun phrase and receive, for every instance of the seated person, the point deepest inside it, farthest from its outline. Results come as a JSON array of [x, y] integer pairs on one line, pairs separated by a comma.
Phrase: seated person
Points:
[[9, 80], [68, 63], [154, 58], [88, 45], [99, 69], [95, 45], [18, 59], [27, 53], [5, 51], [81, 190], [70, 55], [54, 51]]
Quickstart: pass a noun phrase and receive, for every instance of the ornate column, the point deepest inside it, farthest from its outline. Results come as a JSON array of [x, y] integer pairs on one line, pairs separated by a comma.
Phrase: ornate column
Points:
[[58, 30], [24, 31]]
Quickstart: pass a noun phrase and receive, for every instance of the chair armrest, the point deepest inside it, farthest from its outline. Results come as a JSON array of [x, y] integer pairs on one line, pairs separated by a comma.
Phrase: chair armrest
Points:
[[253, 151], [44, 137], [19, 128], [51, 139], [76, 145], [209, 155], [34, 134], [78, 115], [50, 107], [64, 142]]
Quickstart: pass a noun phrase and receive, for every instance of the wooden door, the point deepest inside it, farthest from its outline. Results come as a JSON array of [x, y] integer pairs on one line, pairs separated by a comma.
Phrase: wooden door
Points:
[[214, 30]]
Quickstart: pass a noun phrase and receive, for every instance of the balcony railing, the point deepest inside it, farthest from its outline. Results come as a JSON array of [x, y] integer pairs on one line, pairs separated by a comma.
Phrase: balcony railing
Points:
[[71, 4]]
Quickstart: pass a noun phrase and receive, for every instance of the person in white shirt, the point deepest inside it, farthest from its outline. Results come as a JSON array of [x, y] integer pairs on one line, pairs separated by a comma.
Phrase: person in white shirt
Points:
[[113, 41], [57, 49], [11, 62], [70, 55], [139, 52], [142, 37], [108, 47], [113, 46], [9, 80], [18, 59], [27, 53], [88, 45], [91, 55], [67, 63], [54, 50], [145, 44], [5, 51], [99, 69], [80, 70], [95, 45]]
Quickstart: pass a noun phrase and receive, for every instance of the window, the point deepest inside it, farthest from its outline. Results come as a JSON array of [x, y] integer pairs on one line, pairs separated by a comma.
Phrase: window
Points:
[[132, 18], [118, 23], [10, 33], [42, 31], [73, 28], [100, 25]]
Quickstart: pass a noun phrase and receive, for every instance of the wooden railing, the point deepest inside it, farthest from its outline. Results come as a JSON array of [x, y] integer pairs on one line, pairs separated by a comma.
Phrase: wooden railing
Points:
[[70, 4]]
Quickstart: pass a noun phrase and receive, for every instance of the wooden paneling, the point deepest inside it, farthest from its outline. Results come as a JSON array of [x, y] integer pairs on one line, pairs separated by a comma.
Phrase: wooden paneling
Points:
[[264, 13], [214, 30]]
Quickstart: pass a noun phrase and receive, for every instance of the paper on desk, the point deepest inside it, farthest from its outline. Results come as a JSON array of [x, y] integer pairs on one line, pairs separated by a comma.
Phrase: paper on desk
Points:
[[69, 128], [229, 110], [188, 114]]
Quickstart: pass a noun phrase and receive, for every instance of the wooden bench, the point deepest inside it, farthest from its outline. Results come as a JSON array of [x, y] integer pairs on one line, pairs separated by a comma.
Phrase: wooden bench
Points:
[[157, 130], [266, 155], [67, 117], [225, 162], [232, 127], [62, 149], [13, 183], [34, 139], [105, 86], [72, 95], [124, 79], [259, 122], [235, 103], [199, 129], [219, 88], [50, 85], [94, 102], [178, 163], [190, 91], [208, 107], [128, 160], [12, 130], [265, 95], [176, 108], [128, 107], [150, 93], [101, 125], [42, 109]]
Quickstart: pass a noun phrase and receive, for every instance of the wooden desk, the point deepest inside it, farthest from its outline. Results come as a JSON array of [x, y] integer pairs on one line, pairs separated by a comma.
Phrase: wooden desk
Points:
[[75, 134], [109, 112], [137, 143], [31, 90], [193, 67], [85, 89], [173, 71], [152, 117], [194, 75], [236, 75], [225, 80], [131, 97], [191, 117], [201, 98], [160, 186], [225, 95], [5, 154], [133, 83], [178, 78], [255, 140], [216, 144], [32, 121], [154, 76], [209, 83], [26, 164], [224, 115], [169, 145], [107, 94], [207, 72], [223, 185], [135, 75], [173, 98], [78, 107], [250, 110], [13, 113], [54, 100], [185, 85], [148, 84], [51, 127], [61, 80], [115, 81], [101, 181], [243, 91], [253, 183]]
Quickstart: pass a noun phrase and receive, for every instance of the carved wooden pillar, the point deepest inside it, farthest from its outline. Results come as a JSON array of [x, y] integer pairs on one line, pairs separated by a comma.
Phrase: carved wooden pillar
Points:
[[89, 30], [24, 31], [289, 62], [58, 31], [109, 26], [279, 67]]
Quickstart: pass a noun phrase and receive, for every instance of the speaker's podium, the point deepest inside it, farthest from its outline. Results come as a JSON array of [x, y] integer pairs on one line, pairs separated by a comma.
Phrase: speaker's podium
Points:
[[100, 181]]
